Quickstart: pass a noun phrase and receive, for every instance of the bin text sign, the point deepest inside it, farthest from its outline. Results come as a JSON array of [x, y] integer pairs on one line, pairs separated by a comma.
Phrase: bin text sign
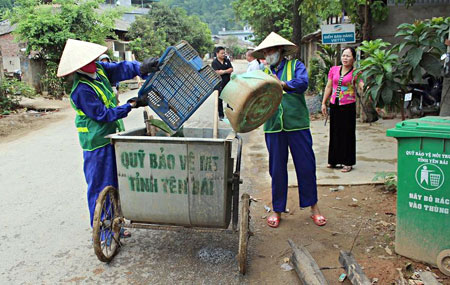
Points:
[[173, 183], [338, 33]]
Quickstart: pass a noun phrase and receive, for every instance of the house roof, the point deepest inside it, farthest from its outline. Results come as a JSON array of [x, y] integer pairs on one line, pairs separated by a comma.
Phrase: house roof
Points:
[[236, 32], [121, 25], [6, 27], [311, 37]]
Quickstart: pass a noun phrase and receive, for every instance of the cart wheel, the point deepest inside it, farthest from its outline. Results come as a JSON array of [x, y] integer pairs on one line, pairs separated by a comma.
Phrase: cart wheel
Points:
[[443, 262], [105, 234], [244, 233]]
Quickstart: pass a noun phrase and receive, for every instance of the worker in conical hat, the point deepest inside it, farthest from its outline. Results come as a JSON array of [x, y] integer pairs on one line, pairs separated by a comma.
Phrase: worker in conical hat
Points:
[[288, 128], [97, 113]]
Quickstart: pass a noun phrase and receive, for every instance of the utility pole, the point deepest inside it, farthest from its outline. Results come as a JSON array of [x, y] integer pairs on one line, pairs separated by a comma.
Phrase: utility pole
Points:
[[445, 96]]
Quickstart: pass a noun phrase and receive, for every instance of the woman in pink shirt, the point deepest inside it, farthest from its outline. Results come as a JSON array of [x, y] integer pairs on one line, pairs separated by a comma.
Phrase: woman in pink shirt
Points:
[[342, 89]]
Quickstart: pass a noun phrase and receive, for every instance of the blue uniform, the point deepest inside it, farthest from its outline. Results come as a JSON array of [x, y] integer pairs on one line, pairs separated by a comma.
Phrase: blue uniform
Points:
[[100, 164], [299, 141]]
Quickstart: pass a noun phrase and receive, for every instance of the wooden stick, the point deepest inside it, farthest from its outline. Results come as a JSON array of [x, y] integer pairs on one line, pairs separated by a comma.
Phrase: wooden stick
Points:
[[306, 267], [216, 114], [354, 271]]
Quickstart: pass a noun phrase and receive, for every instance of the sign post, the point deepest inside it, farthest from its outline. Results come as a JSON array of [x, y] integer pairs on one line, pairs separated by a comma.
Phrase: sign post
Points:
[[338, 34]]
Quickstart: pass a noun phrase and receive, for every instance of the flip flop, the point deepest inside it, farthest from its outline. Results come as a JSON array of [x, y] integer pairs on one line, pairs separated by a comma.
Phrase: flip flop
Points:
[[319, 220], [346, 169], [273, 221]]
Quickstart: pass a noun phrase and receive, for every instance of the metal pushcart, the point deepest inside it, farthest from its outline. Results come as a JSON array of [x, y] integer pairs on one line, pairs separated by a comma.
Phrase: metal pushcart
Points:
[[173, 183]]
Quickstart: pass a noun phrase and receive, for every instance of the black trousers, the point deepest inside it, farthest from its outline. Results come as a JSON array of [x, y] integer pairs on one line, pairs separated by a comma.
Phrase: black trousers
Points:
[[220, 107], [342, 148]]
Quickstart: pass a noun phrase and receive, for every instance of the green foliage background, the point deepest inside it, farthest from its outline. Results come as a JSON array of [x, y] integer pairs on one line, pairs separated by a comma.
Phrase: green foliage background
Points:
[[164, 26], [11, 90], [217, 14], [46, 28]]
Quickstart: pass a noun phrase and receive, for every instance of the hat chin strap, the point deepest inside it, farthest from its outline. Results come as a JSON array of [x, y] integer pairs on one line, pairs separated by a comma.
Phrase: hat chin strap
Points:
[[91, 75]]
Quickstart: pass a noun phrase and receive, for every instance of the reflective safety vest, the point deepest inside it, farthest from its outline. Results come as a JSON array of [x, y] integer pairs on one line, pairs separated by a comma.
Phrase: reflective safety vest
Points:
[[91, 133], [292, 113]]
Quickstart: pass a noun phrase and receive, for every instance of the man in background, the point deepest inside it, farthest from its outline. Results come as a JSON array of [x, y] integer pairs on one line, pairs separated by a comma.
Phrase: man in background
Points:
[[253, 63], [223, 67]]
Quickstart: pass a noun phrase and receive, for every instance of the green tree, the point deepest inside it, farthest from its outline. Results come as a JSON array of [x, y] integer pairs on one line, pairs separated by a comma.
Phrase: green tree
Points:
[[46, 28], [165, 26], [148, 41], [218, 14], [378, 72], [266, 16], [5, 6], [232, 44], [292, 19], [424, 43]]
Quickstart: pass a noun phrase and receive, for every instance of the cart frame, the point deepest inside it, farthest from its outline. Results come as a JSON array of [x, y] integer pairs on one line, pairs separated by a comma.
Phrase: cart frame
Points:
[[107, 227]]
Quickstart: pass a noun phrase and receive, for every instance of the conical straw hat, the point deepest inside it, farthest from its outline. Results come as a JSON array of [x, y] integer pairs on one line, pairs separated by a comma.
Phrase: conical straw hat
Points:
[[77, 54], [275, 40]]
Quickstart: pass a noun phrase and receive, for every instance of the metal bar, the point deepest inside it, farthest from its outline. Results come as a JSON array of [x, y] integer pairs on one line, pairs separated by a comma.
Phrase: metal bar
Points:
[[236, 182], [174, 228]]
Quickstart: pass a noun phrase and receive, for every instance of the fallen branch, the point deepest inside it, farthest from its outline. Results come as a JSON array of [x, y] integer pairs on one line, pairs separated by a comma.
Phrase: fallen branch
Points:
[[306, 267]]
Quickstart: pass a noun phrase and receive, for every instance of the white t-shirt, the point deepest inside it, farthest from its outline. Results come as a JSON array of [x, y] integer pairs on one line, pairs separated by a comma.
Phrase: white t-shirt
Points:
[[253, 65]]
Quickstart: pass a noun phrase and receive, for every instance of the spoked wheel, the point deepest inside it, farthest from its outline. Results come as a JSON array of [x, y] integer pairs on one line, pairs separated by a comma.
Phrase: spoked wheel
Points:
[[443, 262], [244, 233], [106, 232]]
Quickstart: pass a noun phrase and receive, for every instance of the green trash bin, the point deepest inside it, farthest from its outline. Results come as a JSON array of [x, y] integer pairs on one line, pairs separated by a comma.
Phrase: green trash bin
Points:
[[423, 198]]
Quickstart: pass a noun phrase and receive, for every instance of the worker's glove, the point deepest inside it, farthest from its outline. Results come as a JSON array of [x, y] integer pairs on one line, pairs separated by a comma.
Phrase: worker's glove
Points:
[[149, 65], [140, 101]]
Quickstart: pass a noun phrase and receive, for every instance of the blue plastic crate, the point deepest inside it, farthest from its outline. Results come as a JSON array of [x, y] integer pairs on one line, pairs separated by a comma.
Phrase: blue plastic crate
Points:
[[181, 86]]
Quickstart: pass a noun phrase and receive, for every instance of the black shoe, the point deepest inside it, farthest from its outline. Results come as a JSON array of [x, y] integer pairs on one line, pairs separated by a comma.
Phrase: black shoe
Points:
[[221, 118]]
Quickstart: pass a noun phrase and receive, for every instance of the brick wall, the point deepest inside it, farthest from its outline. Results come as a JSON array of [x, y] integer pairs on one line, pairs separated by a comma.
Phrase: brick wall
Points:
[[8, 47]]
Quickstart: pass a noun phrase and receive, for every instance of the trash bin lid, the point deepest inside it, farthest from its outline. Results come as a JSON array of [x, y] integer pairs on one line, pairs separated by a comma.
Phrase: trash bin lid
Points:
[[430, 127]]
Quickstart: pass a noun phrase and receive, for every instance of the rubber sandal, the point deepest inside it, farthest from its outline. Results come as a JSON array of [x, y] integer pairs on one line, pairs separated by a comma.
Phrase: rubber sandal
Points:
[[331, 166], [319, 220], [273, 221], [124, 233], [346, 168]]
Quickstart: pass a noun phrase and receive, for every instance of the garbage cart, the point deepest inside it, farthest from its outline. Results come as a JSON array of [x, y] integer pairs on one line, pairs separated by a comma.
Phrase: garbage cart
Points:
[[423, 198], [177, 183]]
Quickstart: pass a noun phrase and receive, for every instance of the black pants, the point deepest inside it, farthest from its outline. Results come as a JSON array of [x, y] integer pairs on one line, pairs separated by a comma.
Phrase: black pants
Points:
[[342, 148], [220, 107]]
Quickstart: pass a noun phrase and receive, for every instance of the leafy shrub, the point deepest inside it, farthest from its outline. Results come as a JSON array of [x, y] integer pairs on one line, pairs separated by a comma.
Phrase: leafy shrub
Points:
[[377, 70], [318, 76], [11, 90], [50, 82], [389, 178]]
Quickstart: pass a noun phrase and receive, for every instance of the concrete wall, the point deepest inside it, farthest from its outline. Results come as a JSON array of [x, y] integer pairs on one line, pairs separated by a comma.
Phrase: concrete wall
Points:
[[400, 14], [10, 54]]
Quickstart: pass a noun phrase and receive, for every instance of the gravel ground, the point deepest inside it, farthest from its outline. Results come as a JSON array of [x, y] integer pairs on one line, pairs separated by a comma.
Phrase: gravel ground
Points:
[[314, 103]]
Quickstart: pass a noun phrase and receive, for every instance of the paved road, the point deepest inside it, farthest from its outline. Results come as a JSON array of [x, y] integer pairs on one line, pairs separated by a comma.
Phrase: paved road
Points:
[[45, 235]]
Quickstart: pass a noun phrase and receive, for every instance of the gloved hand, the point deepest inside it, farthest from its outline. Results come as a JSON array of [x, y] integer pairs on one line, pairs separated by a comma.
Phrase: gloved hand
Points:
[[138, 101], [149, 65]]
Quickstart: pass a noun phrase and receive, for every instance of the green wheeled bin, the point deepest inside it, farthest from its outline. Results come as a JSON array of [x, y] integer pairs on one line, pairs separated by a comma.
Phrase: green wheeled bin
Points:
[[423, 198]]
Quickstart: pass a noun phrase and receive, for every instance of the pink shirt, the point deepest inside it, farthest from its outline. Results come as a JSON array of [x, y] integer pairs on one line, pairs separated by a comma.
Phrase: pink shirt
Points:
[[347, 94]]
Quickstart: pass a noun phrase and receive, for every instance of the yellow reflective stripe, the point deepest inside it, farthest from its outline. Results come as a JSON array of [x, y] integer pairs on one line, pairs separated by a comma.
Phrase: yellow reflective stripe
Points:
[[100, 71], [289, 71], [83, 130], [99, 91], [79, 112]]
